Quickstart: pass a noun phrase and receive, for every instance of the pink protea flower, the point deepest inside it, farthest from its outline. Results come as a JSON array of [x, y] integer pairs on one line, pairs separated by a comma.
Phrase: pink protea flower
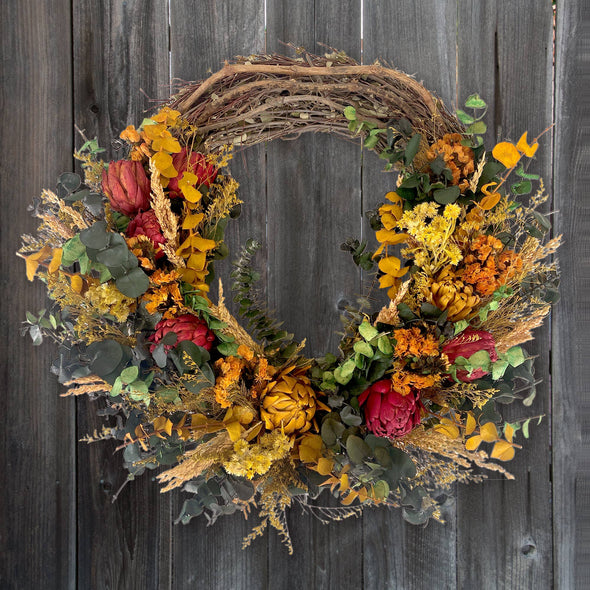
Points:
[[146, 224], [127, 187], [186, 327]]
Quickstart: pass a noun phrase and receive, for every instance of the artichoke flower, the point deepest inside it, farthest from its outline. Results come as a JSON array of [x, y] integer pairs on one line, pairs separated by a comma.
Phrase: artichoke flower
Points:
[[449, 293], [288, 402]]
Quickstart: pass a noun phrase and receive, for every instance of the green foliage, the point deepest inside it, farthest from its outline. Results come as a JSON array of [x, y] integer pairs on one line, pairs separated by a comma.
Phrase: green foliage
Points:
[[360, 256], [277, 342]]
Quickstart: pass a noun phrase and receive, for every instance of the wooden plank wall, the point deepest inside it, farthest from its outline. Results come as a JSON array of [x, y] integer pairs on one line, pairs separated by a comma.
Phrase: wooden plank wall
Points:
[[98, 64]]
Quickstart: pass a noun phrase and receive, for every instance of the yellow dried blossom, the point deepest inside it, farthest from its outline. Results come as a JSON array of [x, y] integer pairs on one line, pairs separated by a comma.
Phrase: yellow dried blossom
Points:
[[433, 244], [249, 460], [105, 298]]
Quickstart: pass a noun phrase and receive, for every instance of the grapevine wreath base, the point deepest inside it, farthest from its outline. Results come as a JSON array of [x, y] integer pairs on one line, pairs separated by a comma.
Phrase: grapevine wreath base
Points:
[[234, 411]]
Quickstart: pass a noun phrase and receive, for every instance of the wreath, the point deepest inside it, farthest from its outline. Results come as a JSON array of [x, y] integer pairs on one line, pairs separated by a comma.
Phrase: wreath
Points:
[[233, 410]]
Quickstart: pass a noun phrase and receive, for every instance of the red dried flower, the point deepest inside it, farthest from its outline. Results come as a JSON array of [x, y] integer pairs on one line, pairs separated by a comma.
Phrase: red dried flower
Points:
[[467, 343], [197, 164], [186, 327], [126, 185], [387, 412]]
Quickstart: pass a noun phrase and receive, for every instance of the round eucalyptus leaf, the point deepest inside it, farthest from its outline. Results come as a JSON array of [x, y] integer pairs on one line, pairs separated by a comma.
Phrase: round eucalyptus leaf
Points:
[[69, 180], [113, 255], [133, 284], [106, 356], [96, 236]]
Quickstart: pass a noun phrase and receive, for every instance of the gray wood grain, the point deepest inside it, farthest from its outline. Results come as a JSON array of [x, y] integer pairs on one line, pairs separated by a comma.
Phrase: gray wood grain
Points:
[[37, 467], [120, 63], [203, 35], [418, 38], [502, 525], [571, 318]]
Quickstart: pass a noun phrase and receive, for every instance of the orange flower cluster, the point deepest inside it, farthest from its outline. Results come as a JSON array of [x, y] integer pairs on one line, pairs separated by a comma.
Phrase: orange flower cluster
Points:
[[488, 266], [404, 381], [411, 342], [458, 158], [164, 291], [231, 371]]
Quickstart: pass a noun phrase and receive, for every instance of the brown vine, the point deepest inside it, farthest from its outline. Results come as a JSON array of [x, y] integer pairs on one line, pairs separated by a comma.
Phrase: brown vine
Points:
[[265, 97]]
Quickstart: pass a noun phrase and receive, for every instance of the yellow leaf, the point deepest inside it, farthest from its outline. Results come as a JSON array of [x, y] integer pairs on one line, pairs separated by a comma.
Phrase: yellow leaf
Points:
[[489, 432], [350, 498], [191, 221], [485, 190], [525, 148], [472, 443], [324, 466], [447, 428], [388, 220], [344, 482], [508, 433], [197, 261], [234, 429], [168, 427], [490, 201], [386, 281], [470, 424], [253, 432], [503, 451], [77, 283], [32, 261], [55, 260], [506, 153], [198, 420], [394, 198], [190, 193], [154, 131], [310, 448], [390, 237], [166, 143], [162, 161], [390, 265], [202, 244], [188, 179]]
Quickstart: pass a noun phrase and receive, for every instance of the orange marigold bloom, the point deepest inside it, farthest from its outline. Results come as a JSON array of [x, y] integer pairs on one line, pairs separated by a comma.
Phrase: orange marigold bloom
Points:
[[411, 342], [404, 382], [487, 267], [458, 158]]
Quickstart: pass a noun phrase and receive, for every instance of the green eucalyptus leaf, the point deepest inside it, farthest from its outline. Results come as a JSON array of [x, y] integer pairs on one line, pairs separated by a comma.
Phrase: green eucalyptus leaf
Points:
[[96, 236], [444, 196], [358, 450], [475, 102], [412, 148], [350, 113], [363, 348], [133, 284], [130, 374], [464, 117], [367, 331]]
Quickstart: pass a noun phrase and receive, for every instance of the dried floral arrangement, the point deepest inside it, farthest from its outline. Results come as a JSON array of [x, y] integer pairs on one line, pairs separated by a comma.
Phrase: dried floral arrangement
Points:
[[233, 410]]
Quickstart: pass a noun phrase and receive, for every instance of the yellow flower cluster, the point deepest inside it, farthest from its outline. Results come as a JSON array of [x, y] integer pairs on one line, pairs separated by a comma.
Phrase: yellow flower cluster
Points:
[[432, 245], [105, 298], [250, 460]]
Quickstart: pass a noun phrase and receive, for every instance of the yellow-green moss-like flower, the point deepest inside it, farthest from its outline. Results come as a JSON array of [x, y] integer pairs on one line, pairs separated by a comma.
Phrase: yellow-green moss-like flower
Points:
[[107, 299], [254, 459]]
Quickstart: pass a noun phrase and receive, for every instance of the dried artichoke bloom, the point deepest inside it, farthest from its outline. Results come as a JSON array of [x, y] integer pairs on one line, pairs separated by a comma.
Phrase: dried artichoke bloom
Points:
[[289, 402], [449, 293], [458, 158]]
